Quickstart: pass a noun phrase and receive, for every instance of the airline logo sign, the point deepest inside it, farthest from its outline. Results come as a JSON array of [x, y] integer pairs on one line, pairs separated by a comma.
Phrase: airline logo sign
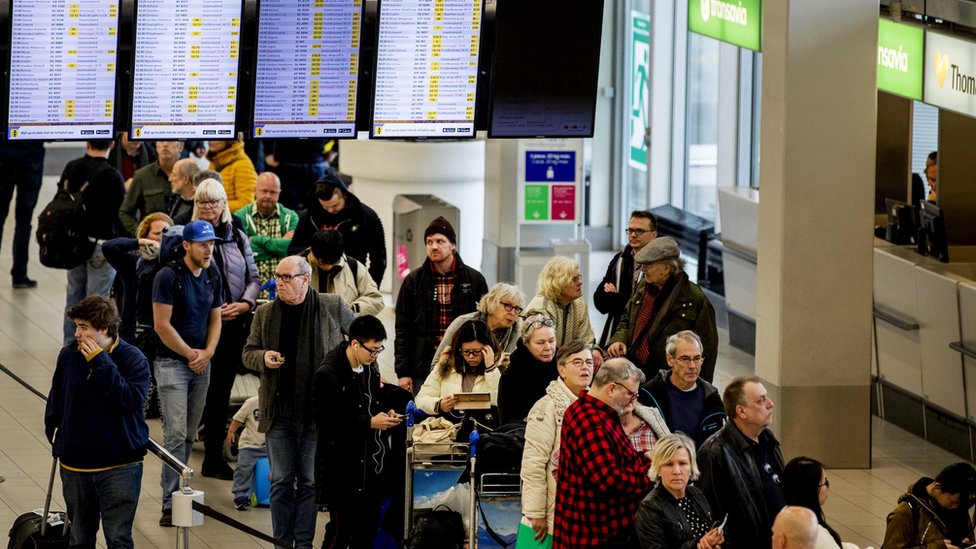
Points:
[[734, 21], [950, 73], [900, 53]]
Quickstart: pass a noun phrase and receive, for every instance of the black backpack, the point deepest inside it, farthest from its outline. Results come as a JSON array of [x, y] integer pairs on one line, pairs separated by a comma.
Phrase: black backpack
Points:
[[62, 228], [500, 451], [438, 528]]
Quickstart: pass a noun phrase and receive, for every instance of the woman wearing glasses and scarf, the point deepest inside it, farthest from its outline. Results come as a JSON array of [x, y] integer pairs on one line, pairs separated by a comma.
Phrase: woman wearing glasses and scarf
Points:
[[499, 309], [470, 365], [530, 368]]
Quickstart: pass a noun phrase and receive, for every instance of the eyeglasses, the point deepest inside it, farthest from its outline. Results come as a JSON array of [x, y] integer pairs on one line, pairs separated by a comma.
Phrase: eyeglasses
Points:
[[509, 307], [471, 353], [536, 324], [685, 359], [208, 203], [286, 278], [577, 278], [631, 394], [636, 232], [580, 363], [826, 483], [372, 352]]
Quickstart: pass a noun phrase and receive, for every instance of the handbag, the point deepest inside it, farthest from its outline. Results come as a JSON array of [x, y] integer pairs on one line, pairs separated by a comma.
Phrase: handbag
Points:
[[434, 435]]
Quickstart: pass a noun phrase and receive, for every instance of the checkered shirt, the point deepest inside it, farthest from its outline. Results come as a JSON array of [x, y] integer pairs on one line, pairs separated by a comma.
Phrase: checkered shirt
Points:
[[602, 479], [443, 286], [270, 226]]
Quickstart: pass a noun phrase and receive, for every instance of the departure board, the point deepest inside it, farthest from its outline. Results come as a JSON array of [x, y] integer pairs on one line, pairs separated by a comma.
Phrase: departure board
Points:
[[307, 68], [62, 69], [426, 68], [186, 59]]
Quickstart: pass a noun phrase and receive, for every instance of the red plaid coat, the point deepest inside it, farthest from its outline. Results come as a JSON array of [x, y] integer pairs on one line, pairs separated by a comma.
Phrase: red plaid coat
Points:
[[602, 479]]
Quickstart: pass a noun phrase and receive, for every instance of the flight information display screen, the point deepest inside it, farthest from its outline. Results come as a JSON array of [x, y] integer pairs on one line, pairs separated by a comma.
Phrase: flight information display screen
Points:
[[426, 68], [185, 69], [62, 69], [307, 72]]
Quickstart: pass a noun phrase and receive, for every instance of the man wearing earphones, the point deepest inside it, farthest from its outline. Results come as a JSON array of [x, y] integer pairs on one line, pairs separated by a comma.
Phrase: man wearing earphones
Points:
[[359, 419], [290, 337]]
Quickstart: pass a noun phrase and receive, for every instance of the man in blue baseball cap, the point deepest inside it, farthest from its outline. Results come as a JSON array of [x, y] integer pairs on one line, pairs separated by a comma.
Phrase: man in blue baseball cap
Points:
[[186, 315]]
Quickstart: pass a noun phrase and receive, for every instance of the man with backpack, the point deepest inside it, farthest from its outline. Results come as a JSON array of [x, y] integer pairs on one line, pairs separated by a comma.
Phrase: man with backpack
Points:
[[101, 190], [186, 315]]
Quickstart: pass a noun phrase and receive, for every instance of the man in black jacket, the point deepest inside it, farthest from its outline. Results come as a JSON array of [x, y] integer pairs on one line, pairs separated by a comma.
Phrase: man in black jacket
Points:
[[688, 403], [359, 422], [741, 466], [611, 296], [430, 298], [335, 207], [102, 191]]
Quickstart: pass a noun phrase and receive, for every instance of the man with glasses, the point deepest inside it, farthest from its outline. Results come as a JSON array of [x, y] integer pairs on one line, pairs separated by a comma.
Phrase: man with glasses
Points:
[[359, 418], [150, 191], [688, 403], [289, 338], [602, 479], [741, 467], [611, 295], [664, 302]]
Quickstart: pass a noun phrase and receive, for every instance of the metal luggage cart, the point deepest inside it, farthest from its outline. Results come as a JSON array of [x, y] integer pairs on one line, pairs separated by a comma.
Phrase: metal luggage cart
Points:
[[499, 508], [433, 468]]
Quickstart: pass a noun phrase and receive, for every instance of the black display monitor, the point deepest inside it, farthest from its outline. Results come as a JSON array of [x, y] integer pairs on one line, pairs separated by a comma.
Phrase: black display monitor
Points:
[[63, 62], [307, 68], [901, 222], [931, 238], [545, 68], [185, 69]]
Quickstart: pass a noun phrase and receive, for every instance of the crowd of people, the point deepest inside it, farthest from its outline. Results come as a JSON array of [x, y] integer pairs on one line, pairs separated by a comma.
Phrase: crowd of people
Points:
[[219, 270]]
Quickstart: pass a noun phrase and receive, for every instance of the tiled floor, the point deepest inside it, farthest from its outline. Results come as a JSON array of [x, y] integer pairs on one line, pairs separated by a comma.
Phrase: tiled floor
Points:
[[30, 332]]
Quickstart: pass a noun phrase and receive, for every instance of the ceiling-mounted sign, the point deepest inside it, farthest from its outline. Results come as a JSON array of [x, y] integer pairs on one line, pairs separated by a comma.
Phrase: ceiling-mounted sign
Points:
[[737, 22], [950, 73], [900, 59]]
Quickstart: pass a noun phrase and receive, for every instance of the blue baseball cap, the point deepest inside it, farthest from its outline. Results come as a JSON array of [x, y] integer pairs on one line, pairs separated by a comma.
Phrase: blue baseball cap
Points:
[[199, 231]]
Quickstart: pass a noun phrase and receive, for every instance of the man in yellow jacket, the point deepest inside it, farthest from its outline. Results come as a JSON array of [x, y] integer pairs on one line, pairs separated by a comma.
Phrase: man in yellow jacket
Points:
[[236, 169]]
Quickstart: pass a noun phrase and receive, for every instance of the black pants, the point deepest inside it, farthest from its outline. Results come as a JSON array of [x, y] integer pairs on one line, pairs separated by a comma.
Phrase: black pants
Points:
[[353, 521], [223, 370]]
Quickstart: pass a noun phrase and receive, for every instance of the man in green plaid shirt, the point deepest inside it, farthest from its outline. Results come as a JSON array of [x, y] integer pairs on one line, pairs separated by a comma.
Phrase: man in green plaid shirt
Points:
[[269, 225]]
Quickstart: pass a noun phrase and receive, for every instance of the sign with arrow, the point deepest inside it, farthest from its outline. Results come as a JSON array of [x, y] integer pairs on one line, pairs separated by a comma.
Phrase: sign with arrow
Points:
[[564, 202], [550, 181], [536, 203]]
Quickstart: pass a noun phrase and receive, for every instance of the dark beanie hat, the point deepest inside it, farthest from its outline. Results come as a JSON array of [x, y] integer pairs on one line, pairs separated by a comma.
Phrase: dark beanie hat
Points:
[[441, 226]]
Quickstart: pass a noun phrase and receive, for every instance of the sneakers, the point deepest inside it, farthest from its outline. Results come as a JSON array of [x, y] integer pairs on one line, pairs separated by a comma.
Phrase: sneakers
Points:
[[24, 283], [220, 472], [240, 502], [167, 518]]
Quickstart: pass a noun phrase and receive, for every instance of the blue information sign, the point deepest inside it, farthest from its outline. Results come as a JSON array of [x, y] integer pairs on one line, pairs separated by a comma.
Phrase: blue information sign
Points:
[[550, 166]]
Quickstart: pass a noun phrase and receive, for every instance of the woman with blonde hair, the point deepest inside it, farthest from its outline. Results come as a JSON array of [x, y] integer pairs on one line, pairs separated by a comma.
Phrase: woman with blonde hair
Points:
[[675, 514], [560, 296]]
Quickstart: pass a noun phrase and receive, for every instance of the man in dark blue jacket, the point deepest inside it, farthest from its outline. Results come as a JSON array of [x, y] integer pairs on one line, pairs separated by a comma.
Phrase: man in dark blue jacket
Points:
[[95, 420]]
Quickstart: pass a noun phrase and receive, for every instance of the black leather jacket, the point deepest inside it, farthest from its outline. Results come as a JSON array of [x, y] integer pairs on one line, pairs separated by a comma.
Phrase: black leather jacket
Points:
[[654, 393], [661, 524], [730, 480]]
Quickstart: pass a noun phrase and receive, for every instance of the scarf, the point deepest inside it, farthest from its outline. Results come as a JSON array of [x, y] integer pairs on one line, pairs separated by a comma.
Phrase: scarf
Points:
[[309, 347]]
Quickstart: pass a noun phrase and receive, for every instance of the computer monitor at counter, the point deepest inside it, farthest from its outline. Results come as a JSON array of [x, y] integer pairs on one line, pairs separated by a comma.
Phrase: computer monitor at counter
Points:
[[931, 237]]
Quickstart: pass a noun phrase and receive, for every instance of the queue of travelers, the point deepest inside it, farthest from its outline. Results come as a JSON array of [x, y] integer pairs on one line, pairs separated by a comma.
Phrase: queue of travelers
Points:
[[627, 445]]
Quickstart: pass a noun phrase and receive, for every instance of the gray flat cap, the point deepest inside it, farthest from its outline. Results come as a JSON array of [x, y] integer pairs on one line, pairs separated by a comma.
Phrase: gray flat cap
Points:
[[659, 249]]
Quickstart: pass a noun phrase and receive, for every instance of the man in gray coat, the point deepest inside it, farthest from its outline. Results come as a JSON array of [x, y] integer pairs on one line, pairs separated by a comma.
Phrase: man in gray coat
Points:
[[289, 338]]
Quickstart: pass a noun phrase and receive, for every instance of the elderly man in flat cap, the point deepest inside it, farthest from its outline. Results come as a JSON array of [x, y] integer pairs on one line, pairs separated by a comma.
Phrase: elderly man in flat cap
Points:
[[664, 302]]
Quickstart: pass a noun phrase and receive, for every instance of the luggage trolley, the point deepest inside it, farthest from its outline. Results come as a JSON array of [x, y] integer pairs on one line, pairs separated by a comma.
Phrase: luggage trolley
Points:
[[433, 468]]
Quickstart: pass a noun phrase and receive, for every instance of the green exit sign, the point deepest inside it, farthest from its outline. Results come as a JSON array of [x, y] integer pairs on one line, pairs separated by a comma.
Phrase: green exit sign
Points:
[[737, 22]]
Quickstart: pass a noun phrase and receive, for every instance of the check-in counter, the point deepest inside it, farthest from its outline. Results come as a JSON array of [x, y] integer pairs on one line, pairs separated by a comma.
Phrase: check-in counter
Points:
[[922, 310]]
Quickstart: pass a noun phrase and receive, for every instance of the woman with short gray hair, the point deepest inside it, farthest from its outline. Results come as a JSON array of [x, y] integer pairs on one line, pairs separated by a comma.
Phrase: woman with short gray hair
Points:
[[499, 309]]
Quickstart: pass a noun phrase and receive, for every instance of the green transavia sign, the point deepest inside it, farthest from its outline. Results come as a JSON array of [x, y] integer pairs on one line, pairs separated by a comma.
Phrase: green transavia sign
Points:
[[900, 57], [737, 22]]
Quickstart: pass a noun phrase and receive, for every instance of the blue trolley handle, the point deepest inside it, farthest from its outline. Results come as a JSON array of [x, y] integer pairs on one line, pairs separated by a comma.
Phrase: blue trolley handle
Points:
[[413, 412], [473, 439]]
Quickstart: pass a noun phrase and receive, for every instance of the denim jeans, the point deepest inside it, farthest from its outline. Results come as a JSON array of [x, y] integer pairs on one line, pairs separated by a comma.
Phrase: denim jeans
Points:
[[112, 494], [182, 395], [93, 277], [244, 472], [25, 178], [291, 451]]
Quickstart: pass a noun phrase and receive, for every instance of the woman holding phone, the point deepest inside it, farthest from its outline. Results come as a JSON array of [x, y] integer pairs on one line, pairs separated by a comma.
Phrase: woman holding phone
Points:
[[676, 515]]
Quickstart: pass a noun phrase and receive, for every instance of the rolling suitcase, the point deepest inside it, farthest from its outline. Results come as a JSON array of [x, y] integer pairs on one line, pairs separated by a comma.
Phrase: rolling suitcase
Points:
[[36, 531]]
